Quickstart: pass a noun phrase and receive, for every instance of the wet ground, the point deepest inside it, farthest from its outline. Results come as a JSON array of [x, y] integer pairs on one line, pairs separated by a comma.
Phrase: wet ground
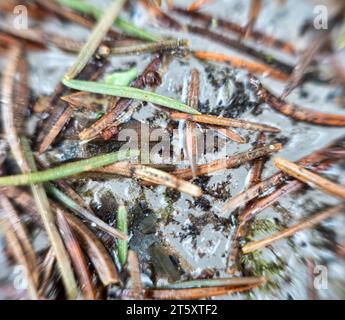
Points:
[[193, 234]]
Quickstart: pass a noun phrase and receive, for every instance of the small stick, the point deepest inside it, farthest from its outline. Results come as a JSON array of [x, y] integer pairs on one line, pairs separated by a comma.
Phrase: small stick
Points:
[[134, 268], [239, 30], [77, 257], [95, 39], [220, 121], [250, 66], [95, 250], [158, 46], [294, 111], [310, 178], [306, 223], [229, 162]]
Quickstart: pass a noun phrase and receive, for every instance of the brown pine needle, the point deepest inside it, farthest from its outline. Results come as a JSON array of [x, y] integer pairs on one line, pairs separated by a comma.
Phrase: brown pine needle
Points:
[[239, 30], [110, 118], [255, 178], [294, 111], [152, 175], [278, 178], [95, 39], [197, 4], [10, 214], [229, 162], [8, 108], [226, 122], [191, 138], [95, 250], [19, 255], [134, 269], [255, 8], [198, 293], [250, 66], [310, 178], [306, 223], [77, 257]]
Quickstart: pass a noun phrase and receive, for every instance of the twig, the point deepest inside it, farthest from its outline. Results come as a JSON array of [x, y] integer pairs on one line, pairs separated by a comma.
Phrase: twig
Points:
[[307, 223], [220, 121], [95, 39], [310, 178]]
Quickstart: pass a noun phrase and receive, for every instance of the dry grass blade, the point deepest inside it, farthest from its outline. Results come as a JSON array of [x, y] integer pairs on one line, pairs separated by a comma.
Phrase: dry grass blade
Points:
[[226, 122], [229, 162], [191, 138], [239, 30], [95, 39], [307, 223], [9, 213], [77, 257], [19, 255], [48, 220], [198, 293], [134, 269], [250, 66], [95, 250], [294, 111], [8, 107], [310, 178]]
